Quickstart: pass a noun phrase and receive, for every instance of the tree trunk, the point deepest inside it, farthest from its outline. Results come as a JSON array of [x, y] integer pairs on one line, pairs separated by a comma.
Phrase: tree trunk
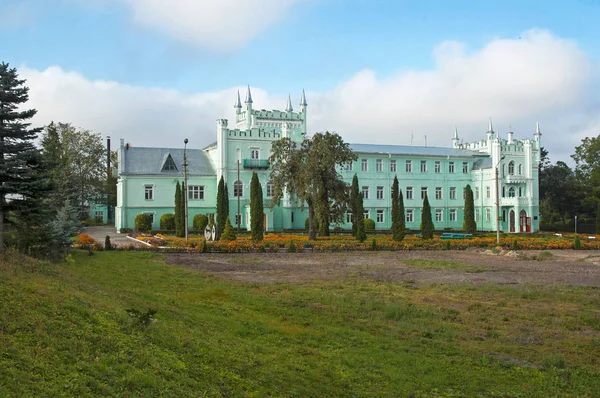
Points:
[[312, 234]]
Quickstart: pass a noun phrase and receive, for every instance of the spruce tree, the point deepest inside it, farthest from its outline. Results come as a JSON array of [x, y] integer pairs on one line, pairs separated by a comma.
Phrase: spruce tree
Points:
[[22, 175], [469, 224], [397, 212], [222, 206], [426, 221], [178, 211], [228, 231], [256, 209], [354, 194]]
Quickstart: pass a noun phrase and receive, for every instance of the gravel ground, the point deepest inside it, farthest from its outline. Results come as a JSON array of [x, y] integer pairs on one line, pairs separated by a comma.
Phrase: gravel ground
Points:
[[564, 267]]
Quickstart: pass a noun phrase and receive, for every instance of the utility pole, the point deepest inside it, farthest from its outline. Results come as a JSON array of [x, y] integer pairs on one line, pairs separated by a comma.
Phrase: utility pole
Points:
[[498, 203], [185, 197], [239, 216]]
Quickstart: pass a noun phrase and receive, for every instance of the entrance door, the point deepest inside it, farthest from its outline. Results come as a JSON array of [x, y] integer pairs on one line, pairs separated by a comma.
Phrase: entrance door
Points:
[[512, 221], [522, 221]]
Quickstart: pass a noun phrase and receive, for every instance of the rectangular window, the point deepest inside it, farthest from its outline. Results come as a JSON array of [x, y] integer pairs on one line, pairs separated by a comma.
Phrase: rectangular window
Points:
[[476, 193], [465, 167], [379, 215], [270, 189], [238, 188], [409, 193], [366, 213], [409, 215], [365, 192], [409, 166], [488, 215], [439, 215], [451, 167], [423, 166], [349, 218], [379, 165], [452, 193], [196, 192], [520, 192], [99, 215], [349, 166], [393, 165], [364, 165], [255, 154], [292, 217], [423, 192], [488, 192], [149, 192], [238, 219], [452, 214], [438, 193], [379, 192], [438, 166], [476, 215]]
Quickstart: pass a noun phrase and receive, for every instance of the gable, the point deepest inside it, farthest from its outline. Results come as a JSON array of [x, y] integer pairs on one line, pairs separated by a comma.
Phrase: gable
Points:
[[169, 164]]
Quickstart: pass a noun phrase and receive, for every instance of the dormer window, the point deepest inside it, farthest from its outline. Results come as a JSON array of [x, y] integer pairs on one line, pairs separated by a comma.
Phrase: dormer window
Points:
[[169, 164]]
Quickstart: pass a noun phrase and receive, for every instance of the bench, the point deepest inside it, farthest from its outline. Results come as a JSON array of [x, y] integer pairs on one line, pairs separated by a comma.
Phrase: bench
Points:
[[454, 235]]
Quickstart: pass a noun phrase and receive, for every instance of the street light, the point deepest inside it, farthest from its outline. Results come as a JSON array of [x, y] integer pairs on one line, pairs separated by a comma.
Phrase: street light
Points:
[[498, 203], [185, 191]]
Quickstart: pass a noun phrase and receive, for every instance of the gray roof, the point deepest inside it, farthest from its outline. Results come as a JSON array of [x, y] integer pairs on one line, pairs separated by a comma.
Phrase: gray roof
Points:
[[413, 150], [484, 163], [150, 161]]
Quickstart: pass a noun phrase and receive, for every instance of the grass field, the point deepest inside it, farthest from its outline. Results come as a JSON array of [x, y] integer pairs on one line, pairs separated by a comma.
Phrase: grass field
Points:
[[65, 331]]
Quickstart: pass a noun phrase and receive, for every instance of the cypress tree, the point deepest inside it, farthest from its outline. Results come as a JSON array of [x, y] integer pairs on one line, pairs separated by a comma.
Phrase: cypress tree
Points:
[[182, 198], [426, 221], [226, 201], [256, 209], [178, 219], [359, 216], [469, 224], [397, 212], [221, 207], [598, 218], [401, 215], [354, 194]]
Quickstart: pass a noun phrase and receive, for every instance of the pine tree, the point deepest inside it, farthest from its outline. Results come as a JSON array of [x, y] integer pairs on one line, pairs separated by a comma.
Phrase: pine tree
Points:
[[178, 211], [222, 207], [354, 194], [256, 209], [426, 221], [469, 224], [397, 212], [22, 176]]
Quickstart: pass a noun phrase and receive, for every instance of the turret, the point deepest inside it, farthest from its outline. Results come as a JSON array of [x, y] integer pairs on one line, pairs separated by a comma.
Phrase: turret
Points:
[[490, 132], [455, 138], [303, 109], [538, 133], [510, 135], [248, 103], [238, 104], [288, 107]]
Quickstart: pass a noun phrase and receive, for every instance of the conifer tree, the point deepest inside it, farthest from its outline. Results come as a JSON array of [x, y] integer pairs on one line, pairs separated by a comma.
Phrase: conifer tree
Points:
[[182, 199], [22, 175], [398, 223], [256, 209], [226, 200], [228, 231], [222, 206], [426, 221], [354, 194], [598, 218], [359, 216], [469, 224], [178, 210]]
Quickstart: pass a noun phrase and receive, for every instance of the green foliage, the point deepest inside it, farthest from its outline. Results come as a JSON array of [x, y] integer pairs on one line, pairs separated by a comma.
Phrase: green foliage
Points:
[[515, 245], [577, 243], [292, 247], [204, 247], [222, 206], [167, 222], [307, 224], [374, 245], [200, 222], [228, 232], [141, 319], [179, 232], [65, 225], [257, 227], [359, 217], [107, 244], [369, 225], [598, 218], [143, 223], [426, 220], [398, 220], [354, 193], [469, 224]]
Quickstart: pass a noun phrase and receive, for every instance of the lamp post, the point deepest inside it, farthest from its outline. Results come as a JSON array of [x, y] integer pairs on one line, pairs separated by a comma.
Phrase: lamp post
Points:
[[498, 203], [185, 191], [575, 224]]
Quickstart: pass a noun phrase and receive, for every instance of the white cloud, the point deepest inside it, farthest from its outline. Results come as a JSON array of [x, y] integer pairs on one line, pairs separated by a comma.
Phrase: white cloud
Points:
[[220, 25], [537, 78]]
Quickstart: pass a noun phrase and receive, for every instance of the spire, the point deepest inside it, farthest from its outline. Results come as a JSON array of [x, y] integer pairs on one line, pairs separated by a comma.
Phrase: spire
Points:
[[238, 103], [455, 133], [248, 96], [288, 107], [537, 128], [490, 129], [303, 99]]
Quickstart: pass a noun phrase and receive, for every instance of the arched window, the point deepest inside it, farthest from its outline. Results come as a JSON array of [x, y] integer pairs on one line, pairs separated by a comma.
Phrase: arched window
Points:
[[511, 168], [520, 168], [238, 188], [511, 192], [504, 192], [520, 192], [270, 189]]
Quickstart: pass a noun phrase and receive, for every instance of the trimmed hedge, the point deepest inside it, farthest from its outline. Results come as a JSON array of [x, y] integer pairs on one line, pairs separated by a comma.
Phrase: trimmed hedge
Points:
[[167, 221], [143, 223], [200, 222], [369, 225]]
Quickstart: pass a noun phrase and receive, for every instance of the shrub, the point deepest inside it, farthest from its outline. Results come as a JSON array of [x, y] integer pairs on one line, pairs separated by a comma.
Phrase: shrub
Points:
[[167, 221], [577, 243], [369, 225], [228, 232], [515, 245], [204, 246], [85, 239], [545, 255], [292, 247], [143, 223], [200, 222], [107, 245], [125, 230], [374, 245]]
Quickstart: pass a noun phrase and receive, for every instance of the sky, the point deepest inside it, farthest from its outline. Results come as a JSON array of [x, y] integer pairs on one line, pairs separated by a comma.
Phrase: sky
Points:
[[154, 72]]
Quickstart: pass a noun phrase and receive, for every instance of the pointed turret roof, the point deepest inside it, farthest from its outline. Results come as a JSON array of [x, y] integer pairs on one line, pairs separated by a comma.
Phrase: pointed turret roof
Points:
[[303, 99], [537, 128], [288, 107], [238, 103], [455, 133], [490, 128], [248, 96]]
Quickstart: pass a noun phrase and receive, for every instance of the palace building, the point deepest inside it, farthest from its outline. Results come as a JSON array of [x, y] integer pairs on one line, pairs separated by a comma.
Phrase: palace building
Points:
[[147, 176]]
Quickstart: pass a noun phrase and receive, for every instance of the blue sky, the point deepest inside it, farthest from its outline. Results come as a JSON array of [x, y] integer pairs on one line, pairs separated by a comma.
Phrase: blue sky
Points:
[[321, 45]]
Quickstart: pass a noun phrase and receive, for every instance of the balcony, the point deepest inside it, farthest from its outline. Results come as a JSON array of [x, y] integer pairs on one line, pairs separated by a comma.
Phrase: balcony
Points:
[[512, 202], [256, 163], [516, 179]]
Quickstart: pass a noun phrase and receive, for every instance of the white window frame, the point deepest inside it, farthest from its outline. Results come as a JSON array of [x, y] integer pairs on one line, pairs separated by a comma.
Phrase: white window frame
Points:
[[349, 217], [451, 167], [437, 167], [438, 193], [380, 193], [488, 215], [364, 165], [476, 193], [349, 166], [453, 215], [379, 165], [270, 189], [424, 191], [511, 168], [380, 217], [410, 215], [452, 193], [488, 192], [439, 215], [392, 165], [195, 192], [423, 166], [365, 192], [148, 191], [408, 166], [238, 185], [366, 213], [465, 167], [476, 215], [255, 153], [409, 193]]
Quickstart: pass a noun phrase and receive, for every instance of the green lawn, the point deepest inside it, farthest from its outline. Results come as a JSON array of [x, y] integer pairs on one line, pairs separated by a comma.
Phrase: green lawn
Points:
[[65, 331]]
